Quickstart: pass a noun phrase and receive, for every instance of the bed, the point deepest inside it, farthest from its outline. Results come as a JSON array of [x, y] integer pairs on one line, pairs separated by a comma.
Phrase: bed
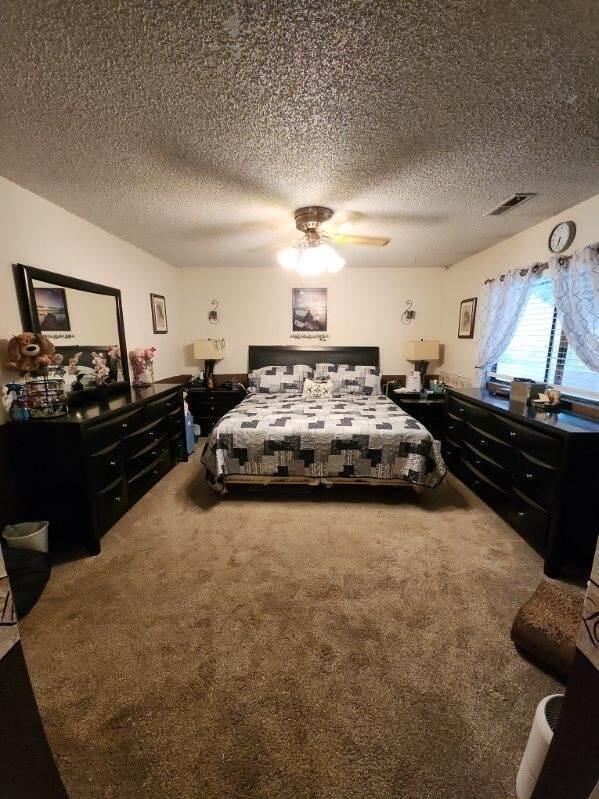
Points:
[[281, 438]]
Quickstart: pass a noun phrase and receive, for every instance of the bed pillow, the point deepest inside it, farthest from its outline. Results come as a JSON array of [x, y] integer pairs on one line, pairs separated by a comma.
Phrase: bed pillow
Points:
[[279, 379], [317, 389], [351, 378]]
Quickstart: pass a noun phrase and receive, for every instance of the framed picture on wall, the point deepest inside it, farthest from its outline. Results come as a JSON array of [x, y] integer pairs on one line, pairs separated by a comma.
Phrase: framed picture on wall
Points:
[[52, 309], [467, 316], [309, 309], [159, 320]]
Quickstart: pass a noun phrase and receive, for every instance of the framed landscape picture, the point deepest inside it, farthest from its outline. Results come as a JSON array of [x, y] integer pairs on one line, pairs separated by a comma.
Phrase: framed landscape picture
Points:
[[467, 316], [52, 309], [309, 310], [159, 320]]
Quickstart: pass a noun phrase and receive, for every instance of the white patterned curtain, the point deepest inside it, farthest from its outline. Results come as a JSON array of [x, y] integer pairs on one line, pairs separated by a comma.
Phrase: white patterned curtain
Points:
[[499, 310], [576, 287]]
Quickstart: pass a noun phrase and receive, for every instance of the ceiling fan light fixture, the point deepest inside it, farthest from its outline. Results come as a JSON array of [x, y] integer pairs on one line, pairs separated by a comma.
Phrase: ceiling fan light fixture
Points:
[[311, 260], [288, 258]]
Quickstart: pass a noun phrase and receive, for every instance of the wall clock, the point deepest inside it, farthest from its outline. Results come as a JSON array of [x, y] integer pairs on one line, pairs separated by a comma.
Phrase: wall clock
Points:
[[562, 236]]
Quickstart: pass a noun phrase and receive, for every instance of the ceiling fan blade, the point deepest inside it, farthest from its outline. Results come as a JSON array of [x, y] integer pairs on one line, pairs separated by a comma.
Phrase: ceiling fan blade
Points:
[[369, 241]]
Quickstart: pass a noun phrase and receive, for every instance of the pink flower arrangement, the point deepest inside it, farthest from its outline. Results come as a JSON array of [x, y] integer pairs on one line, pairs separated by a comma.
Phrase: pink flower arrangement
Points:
[[142, 363], [115, 352], [72, 367], [100, 368]]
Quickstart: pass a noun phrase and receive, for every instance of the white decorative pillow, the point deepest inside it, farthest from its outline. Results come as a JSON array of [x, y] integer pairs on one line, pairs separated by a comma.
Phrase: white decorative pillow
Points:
[[317, 389]]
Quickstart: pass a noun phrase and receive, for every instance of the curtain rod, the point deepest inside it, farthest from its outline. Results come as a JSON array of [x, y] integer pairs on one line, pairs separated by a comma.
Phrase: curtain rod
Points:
[[541, 267], [536, 268]]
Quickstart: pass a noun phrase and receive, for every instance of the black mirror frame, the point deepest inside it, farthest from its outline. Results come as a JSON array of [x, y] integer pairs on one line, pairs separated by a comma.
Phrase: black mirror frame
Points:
[[24, 277]]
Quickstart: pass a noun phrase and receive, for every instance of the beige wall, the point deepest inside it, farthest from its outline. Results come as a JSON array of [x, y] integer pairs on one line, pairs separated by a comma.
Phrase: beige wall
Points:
[[38, 233], [465, 279], [364, 307]]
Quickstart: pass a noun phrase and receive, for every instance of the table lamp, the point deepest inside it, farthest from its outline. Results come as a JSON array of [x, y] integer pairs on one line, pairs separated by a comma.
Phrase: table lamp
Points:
[[421, 353], [209, 350]]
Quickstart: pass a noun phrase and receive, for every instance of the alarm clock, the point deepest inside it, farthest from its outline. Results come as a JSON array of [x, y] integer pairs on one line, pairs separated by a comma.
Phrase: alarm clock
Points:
[[562, 236]]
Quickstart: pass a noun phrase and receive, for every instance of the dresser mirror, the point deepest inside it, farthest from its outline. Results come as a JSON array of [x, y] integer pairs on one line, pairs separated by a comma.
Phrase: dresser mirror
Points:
[[82, 320]]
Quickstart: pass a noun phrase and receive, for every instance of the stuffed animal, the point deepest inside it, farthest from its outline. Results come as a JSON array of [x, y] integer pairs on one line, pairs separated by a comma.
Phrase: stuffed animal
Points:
[[31, 352]]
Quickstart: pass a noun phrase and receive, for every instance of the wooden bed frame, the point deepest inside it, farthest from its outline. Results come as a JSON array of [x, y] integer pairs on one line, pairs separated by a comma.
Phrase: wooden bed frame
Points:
[[277, 355]]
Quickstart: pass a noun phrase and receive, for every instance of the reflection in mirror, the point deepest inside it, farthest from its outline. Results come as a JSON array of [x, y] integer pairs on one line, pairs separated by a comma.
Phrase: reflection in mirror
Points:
[[79, 323]]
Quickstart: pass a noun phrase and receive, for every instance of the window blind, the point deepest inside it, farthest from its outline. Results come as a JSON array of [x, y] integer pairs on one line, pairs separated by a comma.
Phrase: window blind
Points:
[[539, 350]]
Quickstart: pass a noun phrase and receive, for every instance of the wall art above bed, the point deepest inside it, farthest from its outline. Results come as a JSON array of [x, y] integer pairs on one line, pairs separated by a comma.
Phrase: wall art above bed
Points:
[[309, 310]]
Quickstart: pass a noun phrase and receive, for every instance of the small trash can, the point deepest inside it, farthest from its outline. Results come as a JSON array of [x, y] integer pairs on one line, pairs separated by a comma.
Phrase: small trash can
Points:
[[27, 535]]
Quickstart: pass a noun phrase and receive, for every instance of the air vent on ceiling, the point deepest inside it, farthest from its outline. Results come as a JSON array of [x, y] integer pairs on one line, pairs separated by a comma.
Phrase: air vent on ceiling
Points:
[[511, 202]]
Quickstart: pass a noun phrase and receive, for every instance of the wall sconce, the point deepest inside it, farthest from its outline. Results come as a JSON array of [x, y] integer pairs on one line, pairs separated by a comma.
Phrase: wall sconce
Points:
[[408, 315], [213, 314]]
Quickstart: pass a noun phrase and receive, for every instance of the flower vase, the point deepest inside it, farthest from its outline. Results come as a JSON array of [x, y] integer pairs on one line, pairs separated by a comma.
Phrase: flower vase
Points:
[[144, 377]]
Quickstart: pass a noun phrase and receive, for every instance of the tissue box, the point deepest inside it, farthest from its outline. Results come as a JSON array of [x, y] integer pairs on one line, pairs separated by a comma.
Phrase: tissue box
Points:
[[524, 390]]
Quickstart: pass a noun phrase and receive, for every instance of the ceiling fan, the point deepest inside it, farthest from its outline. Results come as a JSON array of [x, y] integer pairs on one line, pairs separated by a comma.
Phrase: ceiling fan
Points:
[[313, 253]]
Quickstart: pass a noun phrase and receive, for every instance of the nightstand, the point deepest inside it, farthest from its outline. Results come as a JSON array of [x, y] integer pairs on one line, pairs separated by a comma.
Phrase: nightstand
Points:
[[429, 411], [208, 405]]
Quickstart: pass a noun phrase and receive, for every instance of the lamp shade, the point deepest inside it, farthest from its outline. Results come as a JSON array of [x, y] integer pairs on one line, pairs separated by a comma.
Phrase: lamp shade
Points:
[[206, 349], [422, 350]]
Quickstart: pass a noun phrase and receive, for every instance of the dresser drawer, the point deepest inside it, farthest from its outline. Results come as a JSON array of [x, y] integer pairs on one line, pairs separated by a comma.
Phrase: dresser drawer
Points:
[[541, 446], [138, 462], [535, 479], [529, 519], [177, 448], [454, 427], [174, 421], [111, 503], [489, 445], [143, 481], [141, 439], [163, 406], [492, 494], [487, 467], [102, 435], [106, 465]]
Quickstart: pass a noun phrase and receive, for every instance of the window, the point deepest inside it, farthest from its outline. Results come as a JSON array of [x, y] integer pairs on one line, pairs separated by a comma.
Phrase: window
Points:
[[539, 349]]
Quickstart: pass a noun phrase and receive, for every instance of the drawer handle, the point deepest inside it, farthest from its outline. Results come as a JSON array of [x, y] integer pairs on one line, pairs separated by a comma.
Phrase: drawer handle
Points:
[[529, 476], [125, 425], [154, 452], [512, 434], [461, 410], [483, 442], [113, 463], [451, 427], [476, 482], [117, 499], [478, 462], [521, 514], [155, 471], [152, 434]]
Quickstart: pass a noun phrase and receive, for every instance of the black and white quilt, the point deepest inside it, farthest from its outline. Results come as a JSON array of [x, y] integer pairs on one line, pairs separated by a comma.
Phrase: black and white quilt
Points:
[[351, 436]]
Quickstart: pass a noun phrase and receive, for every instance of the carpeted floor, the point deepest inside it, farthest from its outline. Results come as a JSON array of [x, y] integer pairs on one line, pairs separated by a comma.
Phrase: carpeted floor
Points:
[[348, 644]]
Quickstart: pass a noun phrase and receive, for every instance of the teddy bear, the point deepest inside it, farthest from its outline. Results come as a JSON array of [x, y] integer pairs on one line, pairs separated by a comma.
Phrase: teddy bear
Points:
[[31, 352]]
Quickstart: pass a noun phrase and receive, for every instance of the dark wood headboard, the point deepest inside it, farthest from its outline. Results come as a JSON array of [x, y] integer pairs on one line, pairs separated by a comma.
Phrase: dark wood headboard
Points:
[[276, 355]]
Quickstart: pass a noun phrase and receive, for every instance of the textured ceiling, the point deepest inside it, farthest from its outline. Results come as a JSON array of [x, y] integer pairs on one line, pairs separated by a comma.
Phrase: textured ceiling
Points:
[[193, 129]]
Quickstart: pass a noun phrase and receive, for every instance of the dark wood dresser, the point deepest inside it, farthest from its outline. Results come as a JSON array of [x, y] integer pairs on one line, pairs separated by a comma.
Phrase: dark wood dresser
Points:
[[539, 471], [82, 471], [208, 405]]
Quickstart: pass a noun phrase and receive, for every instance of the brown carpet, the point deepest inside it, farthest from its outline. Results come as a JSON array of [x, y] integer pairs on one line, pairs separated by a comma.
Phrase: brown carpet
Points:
[[351, 644]]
